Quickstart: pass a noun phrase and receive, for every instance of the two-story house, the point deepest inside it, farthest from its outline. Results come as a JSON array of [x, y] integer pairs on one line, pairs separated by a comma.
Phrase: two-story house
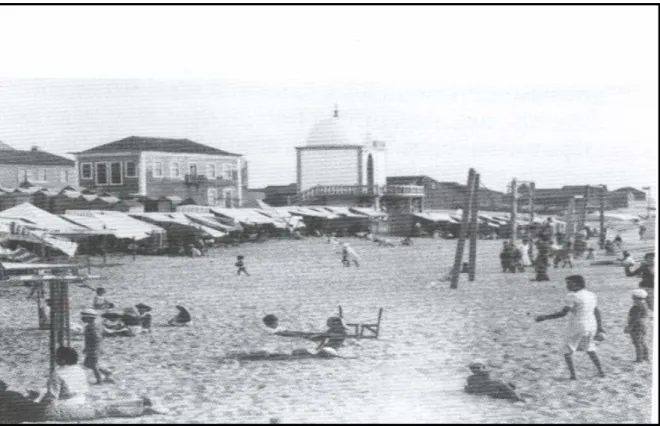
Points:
[[137, 167], [36, 167]]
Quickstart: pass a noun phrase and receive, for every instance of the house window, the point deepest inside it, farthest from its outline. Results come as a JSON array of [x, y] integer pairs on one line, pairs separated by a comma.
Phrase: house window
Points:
[[175, 171], [64, 175], [101, 173], [228, 195], [22, 175], [115, 173], [86, 170], [131, 170], [42, 177], [31, 175], [212, 197], [192, 169], [226, 171], [210, 171], [158, 169]]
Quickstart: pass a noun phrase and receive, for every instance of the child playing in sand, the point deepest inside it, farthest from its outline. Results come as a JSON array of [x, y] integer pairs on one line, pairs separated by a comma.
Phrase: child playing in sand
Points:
[[348, 254], [144, 312], [480, 383], [636, 325], [241, 265], [101, 302], [585, 326], [590, 254], [92, 348]]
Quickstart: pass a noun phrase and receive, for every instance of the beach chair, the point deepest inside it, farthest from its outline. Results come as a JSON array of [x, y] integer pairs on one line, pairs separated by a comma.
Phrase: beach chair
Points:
[[372, 329]]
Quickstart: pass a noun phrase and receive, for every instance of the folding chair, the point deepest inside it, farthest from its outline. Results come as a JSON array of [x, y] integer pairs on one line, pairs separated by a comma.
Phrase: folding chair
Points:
[[359, 329]]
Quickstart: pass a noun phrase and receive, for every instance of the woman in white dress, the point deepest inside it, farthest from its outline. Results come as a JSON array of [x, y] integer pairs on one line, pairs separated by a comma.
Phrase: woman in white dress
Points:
[[524, 250]]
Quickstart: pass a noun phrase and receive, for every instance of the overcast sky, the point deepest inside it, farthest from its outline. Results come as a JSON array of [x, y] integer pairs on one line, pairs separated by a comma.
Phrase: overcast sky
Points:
[[558, 95]]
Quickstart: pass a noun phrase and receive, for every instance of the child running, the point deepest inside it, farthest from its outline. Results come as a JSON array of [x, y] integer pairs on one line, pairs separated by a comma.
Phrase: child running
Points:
[[636, 325], [241, 265]]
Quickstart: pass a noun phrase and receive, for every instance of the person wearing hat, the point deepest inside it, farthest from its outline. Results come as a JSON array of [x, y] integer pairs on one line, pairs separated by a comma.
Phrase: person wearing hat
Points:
[[480, 383], [636, 326], [92, 350], [585, 325]]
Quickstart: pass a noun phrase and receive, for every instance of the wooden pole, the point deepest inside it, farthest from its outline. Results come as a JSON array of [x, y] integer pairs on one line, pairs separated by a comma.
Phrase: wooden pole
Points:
[[474, 229], [514, 210], [601, 239], [53, 323], [570, 219], [460, 246]]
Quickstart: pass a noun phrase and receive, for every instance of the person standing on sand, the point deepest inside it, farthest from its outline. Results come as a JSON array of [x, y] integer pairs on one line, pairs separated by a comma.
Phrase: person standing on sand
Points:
[[92, 348], [585, 325], [648, 276], [636, 325], [542, 261]]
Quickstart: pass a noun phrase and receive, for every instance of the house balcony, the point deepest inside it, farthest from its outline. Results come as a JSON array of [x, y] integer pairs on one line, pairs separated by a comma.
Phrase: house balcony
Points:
[[391, 191], [195, 179]]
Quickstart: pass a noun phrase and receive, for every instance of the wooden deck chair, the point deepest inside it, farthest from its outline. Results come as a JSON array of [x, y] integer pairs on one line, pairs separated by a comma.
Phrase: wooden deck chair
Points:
[[359, 328]]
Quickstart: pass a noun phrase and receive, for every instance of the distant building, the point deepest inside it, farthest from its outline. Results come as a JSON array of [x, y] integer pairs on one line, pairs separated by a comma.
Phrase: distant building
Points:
[[35, 166], [280, 195], [638, 194], [139, 167]]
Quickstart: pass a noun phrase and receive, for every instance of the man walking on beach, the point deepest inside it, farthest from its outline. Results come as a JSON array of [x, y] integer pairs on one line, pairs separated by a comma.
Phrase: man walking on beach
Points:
[[585, 324]]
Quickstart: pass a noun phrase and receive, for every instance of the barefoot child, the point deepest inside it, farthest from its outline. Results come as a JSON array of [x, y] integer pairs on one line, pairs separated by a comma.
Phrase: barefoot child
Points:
[[636, 325], [100, 302], [480, 383], [92, 348], [241, 265], [584, 327]]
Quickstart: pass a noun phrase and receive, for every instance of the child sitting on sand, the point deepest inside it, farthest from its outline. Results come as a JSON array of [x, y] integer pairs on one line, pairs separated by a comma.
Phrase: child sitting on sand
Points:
[[182, 318], [101, 302], [480, 383], [636, 324]]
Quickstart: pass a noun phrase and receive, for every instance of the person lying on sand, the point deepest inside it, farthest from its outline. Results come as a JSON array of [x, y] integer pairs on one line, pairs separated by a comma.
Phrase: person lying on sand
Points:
[[329, 342], [66, 399], [480, 383]]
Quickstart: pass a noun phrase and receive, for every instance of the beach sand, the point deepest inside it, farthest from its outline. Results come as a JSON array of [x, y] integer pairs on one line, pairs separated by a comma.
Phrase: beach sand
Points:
[[414, 372]]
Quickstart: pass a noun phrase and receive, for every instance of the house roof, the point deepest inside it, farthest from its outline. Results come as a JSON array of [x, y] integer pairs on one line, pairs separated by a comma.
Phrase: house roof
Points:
[[140, 143], [33, 158], [629, 189]]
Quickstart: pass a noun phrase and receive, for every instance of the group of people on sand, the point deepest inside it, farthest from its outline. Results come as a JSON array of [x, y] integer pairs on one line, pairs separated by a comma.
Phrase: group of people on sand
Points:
[[585, 329]]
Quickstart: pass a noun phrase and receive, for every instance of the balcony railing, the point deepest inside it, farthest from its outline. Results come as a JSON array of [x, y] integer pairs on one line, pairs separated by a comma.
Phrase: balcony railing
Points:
[[364, 190], [195, 179]]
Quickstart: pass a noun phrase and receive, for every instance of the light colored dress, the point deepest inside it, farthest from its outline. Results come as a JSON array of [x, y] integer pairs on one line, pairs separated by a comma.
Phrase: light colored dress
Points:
[[524, 250], [582, 325]]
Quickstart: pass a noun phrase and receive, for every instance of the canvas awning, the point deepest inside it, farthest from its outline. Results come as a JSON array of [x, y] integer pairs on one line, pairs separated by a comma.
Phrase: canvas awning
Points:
[[36, 218], [179, 219], [368, 212], [208, 220], [120, 224], [436, 217], [245, 216]]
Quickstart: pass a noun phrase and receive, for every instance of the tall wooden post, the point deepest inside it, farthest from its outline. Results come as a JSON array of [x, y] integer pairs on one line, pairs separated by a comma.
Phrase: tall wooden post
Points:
[[474, 229], [531, 202], [514, 210], [570, 219], [54, 309], [460, 246], [601, 239]]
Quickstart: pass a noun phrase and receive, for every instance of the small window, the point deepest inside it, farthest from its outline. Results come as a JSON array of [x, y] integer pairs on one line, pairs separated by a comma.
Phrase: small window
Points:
[[210, 171], [192, 169], [31, 175], [64, 175], [227, 171], [158, 169], [131, 170], [43, 176], [101, 173], [86, 170], [175, 171], [115, 173]]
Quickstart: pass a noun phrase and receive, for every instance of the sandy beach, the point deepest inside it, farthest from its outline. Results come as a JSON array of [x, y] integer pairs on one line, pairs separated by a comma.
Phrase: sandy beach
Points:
[[414, 372]]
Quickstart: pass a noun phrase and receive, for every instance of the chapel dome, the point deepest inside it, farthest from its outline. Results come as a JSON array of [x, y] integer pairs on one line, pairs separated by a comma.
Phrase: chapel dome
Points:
[[334, 131]]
